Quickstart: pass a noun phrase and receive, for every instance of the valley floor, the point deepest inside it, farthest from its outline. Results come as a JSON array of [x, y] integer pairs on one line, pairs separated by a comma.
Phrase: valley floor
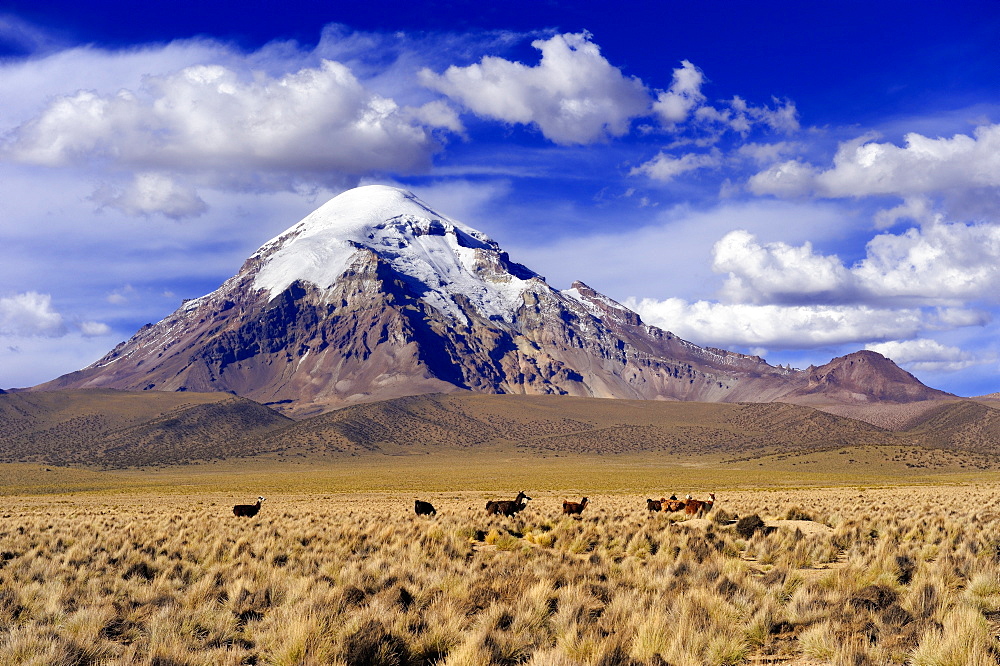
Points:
[[893, 565], [505, 469]]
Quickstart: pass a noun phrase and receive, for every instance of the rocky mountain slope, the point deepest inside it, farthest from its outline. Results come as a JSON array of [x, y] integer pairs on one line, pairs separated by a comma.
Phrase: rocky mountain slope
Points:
[[862, 377], [375, 296]]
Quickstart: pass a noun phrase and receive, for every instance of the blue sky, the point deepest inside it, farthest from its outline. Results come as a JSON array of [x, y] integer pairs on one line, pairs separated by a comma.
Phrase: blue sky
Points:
[[798, 180]]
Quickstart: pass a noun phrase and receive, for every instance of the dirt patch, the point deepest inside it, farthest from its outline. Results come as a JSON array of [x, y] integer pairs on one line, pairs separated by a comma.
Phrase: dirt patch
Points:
[[805, 526], [695, 523]]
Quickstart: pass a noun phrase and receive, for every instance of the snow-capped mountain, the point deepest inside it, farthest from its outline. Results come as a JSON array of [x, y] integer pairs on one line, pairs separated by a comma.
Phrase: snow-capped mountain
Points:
[[375, 295]]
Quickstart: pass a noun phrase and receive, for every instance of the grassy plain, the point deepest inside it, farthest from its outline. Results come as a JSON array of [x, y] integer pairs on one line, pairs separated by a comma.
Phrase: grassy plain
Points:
[[502, 470], [874, 561]]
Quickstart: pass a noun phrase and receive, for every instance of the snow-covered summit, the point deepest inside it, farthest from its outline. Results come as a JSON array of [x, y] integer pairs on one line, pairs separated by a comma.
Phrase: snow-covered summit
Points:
[[441, 256], [354, 214]]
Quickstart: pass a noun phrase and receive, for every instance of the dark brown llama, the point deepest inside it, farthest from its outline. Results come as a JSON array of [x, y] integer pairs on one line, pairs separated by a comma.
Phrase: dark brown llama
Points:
[[575, 507], [507, 507], [424, 508], [247, 510]]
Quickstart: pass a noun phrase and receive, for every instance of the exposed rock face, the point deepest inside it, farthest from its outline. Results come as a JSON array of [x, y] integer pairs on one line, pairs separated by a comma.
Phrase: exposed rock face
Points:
[[376, 296]]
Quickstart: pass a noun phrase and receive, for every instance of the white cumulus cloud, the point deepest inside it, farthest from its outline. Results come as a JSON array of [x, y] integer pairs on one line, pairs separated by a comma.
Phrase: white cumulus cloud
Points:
[[786, 326], [438, 114], [791, 178], [925, 355], [741, 117], [224, 128], [573, 95], [866, 167], [93, 329], [942, 262], [939, 264], [918, 209], [30, 314], [777, 272], [709, 124], [665, 167], [675, 104], [150, 193], [779, 295]]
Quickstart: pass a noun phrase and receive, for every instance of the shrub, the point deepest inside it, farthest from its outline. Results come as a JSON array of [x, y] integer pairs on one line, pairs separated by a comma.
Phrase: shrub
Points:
[[797, 513], [905, 566], [373, 644], [723, 517], [748, 526]]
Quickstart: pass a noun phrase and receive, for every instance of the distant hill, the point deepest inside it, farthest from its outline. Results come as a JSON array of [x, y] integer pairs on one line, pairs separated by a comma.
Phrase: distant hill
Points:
[[566, 425], [966, 425], [563, 424], [896, 417], [863, 377], [120, 428]]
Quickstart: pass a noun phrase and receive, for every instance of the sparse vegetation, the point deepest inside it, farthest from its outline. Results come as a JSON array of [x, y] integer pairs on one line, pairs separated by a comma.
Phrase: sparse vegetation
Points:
[[878, 576], [116, 429]]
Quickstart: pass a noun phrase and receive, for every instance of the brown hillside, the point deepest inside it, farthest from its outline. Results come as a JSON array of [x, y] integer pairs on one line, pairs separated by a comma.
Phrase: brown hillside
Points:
[[966, 425], [57, 412], [562, 424], [119, 428], [889, 415], [235, 427]]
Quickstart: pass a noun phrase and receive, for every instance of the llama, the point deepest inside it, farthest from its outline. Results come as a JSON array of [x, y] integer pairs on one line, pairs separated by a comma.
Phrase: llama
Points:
[[673, 504], [695, 507], [507, 507], [575, 507], [247, 510], [515, 508], [654, 505], [424, 508]]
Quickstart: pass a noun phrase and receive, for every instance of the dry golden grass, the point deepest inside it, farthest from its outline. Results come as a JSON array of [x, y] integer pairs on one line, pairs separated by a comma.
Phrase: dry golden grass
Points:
[[574, 475], [905, 575]]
